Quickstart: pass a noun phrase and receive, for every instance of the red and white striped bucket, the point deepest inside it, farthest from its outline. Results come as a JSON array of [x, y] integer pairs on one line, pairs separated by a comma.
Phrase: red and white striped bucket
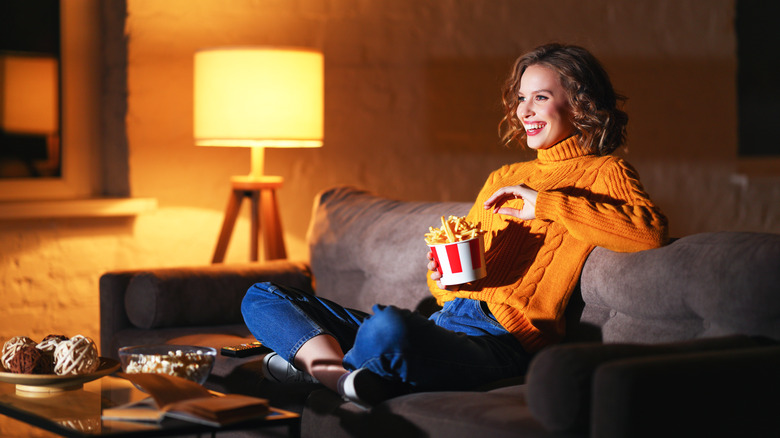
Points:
[[460, 262]]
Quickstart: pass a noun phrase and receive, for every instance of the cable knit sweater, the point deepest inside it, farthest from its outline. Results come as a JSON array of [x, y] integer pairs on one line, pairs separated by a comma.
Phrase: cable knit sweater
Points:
[[533, 266]]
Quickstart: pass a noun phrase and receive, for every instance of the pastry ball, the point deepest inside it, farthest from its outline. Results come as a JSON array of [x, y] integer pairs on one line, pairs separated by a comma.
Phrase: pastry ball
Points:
[[50, 342], [77, 355], [12, 346], [30, 360]]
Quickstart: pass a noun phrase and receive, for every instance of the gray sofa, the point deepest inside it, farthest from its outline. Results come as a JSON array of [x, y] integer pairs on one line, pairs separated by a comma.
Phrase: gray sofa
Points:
[[675, 341]]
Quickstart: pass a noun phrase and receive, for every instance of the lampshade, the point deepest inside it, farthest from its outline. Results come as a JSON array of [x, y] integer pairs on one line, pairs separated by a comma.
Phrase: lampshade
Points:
[[28, 94], [258, 96]]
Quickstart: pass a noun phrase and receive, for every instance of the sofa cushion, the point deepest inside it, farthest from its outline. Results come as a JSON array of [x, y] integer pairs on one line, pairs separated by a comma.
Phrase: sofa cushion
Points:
[[494, 414], [559, 379], [169, 335], [206, 295], [367, 249]]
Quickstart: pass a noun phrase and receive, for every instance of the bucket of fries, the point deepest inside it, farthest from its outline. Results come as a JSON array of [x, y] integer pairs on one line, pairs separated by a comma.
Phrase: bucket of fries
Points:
[[459, 250]]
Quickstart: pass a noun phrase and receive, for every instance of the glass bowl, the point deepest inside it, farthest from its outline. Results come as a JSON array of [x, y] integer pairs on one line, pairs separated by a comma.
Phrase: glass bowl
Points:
[[187, 361]]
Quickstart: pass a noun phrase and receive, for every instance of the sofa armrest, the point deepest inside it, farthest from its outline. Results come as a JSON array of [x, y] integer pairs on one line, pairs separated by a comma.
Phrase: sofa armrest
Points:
[[713, 393], [560, 377], [705, 284], [187, 296], [113, 317]]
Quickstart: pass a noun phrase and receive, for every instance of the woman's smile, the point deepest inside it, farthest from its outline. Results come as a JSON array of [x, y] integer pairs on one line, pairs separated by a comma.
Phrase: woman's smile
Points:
[[534, 128]]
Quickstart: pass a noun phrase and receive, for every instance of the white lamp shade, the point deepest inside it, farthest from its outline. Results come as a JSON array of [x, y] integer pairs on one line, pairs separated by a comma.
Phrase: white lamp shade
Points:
[[28, 95], [269, 97]]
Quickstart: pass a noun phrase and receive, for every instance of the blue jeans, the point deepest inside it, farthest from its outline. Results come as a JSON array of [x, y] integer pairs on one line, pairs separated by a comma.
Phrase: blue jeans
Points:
[[459, 347]]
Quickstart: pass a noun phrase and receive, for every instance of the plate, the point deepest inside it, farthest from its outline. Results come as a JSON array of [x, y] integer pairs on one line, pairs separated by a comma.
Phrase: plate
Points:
[[55, 382]]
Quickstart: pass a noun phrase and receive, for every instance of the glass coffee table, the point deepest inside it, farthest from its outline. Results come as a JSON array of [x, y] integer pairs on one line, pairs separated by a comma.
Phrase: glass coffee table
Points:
[[77, 412]]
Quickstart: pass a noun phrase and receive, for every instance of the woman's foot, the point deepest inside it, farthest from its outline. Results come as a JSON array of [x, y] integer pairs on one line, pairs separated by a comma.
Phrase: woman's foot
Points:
[[278, 370], [367, 389]]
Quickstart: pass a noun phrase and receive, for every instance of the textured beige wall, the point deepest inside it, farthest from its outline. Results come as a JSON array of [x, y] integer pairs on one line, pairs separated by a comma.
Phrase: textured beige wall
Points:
[[411, 98]]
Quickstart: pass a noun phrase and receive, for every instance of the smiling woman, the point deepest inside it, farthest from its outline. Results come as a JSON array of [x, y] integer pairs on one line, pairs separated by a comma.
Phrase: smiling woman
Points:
[[582, 93]]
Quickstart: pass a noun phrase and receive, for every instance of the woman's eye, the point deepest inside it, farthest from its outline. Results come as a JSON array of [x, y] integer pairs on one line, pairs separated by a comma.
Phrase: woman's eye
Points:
[[540, 97], [520, 99]]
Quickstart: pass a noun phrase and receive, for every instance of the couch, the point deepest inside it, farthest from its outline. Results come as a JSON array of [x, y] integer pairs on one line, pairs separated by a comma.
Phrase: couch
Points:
[[675, 341]]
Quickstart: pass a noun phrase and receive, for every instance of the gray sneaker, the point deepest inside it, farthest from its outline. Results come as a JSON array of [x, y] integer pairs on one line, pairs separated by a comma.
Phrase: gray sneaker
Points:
[[276, 369]]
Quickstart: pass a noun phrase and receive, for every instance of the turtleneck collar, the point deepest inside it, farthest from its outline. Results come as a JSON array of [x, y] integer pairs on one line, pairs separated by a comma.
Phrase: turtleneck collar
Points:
[[565, 150]]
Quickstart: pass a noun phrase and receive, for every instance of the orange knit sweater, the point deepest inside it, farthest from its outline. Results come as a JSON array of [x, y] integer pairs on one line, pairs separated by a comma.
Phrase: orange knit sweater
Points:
[[533, 266]]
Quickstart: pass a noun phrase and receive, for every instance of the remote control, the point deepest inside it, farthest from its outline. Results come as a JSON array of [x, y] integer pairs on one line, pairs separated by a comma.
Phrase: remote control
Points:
[[244, 350]]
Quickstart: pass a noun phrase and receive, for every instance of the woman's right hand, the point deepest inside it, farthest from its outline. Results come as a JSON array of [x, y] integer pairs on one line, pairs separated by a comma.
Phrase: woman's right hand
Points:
[[497, 200]]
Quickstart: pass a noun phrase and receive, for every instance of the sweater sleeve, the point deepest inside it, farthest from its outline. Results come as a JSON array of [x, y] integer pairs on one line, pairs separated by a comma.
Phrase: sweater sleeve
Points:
[[625, 220]]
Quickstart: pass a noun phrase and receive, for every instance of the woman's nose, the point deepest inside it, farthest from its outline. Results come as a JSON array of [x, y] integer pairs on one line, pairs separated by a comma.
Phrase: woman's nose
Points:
[[524, 110]]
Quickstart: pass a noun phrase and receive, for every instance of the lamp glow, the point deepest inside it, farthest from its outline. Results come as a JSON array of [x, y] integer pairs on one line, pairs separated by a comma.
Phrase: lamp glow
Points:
[[258, 97]]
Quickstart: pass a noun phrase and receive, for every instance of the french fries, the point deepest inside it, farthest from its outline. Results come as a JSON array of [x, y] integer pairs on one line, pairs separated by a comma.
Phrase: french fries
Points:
[[453, 229]]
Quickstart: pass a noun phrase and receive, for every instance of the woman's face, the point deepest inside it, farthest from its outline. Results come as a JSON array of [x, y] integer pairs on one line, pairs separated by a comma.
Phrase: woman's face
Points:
[[543, 108]]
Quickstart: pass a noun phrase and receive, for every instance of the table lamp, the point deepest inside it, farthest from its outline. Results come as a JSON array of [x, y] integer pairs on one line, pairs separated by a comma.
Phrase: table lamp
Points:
[[257, 97]]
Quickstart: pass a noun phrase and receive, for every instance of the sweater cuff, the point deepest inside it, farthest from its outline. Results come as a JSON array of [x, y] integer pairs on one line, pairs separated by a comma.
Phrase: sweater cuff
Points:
[[547, 203]]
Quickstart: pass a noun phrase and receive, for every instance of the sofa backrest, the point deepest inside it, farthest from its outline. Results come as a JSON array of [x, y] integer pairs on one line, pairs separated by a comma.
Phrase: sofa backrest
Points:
[[367, 249]]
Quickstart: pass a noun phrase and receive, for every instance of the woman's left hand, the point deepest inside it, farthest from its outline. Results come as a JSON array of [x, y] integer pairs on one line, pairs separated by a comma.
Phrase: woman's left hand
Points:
[[522, 191], [435, 276]]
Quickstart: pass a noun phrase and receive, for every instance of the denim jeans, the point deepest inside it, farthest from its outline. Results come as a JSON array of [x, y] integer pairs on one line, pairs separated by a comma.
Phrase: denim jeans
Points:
[[459, 347]]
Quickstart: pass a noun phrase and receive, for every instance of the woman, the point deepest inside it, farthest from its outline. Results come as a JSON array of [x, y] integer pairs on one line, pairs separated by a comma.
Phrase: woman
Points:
[[542, 218]]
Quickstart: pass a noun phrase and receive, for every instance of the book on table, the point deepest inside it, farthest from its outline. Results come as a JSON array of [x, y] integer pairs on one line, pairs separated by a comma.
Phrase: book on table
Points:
[[179, 398]]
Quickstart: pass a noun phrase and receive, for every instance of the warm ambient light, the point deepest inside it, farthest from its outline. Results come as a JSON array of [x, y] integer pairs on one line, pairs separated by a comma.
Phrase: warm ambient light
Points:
[[258, 97]]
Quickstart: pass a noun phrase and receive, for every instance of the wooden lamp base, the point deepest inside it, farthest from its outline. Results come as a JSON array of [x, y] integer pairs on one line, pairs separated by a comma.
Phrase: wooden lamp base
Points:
[[262, 192]]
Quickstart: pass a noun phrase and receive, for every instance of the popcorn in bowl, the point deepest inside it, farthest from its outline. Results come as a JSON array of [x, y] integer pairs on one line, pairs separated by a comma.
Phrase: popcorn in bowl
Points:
[[187, 361]]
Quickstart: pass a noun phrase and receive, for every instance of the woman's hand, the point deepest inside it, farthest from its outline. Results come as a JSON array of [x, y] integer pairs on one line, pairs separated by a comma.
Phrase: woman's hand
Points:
[[435, 276], [522, 191]]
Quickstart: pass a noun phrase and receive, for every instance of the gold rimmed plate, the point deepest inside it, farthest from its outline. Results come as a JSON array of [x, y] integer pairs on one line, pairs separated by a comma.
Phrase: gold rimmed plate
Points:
[[56, 382]]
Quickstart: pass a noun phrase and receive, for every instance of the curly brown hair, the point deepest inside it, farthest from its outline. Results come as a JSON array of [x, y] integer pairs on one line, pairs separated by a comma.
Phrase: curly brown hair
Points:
[[600, 124]]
